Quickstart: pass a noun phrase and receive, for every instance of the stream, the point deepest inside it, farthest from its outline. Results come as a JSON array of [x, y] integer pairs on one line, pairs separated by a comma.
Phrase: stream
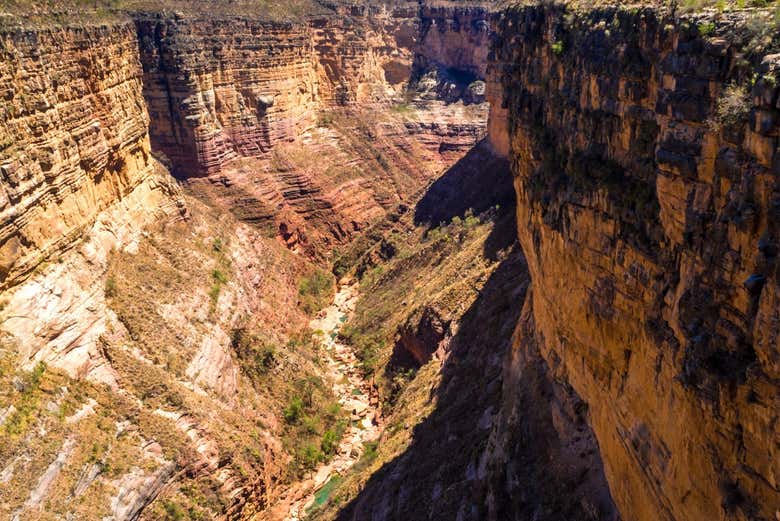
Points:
[[353, 392]]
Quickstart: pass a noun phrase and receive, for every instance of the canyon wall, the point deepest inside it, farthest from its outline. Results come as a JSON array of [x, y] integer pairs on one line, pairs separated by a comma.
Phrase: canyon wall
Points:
[[222, 89], [74, 136], [644, 150]]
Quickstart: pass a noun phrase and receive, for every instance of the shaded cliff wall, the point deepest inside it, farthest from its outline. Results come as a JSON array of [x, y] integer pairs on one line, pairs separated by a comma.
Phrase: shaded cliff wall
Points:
[[73, 136], [644, 149]]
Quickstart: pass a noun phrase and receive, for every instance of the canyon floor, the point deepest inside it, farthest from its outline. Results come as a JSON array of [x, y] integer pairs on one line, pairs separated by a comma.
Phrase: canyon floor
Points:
[[353, 392]]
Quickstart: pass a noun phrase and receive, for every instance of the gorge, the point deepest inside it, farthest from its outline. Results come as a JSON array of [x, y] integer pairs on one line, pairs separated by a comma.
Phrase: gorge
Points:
[[550, 230]]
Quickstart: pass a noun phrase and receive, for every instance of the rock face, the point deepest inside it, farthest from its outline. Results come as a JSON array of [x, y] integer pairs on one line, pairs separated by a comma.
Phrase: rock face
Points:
[[451, 59], [646, 164], [73, 136], [221, 89]]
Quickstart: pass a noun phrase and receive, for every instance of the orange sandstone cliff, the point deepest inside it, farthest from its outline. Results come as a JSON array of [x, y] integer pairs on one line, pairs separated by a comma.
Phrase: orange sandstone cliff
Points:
[[645, 155]]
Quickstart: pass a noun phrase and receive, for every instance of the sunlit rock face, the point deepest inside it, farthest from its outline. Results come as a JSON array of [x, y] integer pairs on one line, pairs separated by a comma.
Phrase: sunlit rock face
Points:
[[73, 136], [648, 218], [222, 89]]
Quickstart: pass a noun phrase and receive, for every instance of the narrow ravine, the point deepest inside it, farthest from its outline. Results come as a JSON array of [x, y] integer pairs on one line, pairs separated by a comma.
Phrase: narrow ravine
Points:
[[353, 392]]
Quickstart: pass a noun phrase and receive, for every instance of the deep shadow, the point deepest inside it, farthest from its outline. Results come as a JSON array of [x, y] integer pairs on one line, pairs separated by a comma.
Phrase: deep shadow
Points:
[[446, 473], [449, 472], [479, 181], [446, 446]]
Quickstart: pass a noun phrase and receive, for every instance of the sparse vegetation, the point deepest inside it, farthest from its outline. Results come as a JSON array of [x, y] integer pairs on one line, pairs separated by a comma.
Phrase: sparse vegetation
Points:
[[314, 426], [403, 108], [315, 291], [256, 355], [733, 106], [368, 347], [27, 403], [294, 410]]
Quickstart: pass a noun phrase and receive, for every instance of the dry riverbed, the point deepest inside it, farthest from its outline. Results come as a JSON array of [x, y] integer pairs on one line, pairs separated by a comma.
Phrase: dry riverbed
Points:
[[354, 395]]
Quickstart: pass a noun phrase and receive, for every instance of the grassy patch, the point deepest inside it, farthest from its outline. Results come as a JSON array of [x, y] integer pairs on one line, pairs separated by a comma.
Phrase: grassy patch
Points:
[[27, 404], [315, 291], [314, 425]]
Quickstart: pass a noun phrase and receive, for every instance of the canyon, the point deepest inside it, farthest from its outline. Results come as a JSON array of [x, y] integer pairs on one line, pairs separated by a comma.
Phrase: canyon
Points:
[[389, 260]]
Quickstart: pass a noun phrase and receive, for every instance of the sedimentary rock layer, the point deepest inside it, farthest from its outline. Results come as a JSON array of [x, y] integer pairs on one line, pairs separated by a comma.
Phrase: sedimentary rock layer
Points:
[[644, 149], [222, 89], [73, 136]]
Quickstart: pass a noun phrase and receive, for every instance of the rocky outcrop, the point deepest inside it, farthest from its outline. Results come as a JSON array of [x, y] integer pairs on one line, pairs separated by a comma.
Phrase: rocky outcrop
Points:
[[644, 149], [420, 337]]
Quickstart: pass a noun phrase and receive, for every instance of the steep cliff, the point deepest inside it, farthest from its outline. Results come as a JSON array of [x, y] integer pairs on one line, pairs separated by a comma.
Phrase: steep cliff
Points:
[[74, 137], [644, 149], [222, 89]]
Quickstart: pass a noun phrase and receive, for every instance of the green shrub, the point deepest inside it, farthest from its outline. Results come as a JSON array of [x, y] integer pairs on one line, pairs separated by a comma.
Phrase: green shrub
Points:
[[219, 277], [311, 424], [315, 291], [706, 29], [557, 47], [310, 456], [470, 219], [332, 438], [294, 410], [173, 512], [28, 402]]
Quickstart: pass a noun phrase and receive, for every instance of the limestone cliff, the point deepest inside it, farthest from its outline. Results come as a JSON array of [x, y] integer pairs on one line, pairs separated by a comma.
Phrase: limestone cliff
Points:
[[74, 136], [644, 149]]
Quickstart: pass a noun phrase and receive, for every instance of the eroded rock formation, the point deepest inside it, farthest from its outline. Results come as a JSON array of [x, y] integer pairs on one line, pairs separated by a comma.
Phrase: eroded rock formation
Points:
[[648, 214], [74, 136]]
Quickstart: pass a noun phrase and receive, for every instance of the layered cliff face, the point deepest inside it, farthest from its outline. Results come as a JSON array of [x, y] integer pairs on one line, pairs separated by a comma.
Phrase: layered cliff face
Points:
[[644, 149], [222, 89], [74, 137]]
